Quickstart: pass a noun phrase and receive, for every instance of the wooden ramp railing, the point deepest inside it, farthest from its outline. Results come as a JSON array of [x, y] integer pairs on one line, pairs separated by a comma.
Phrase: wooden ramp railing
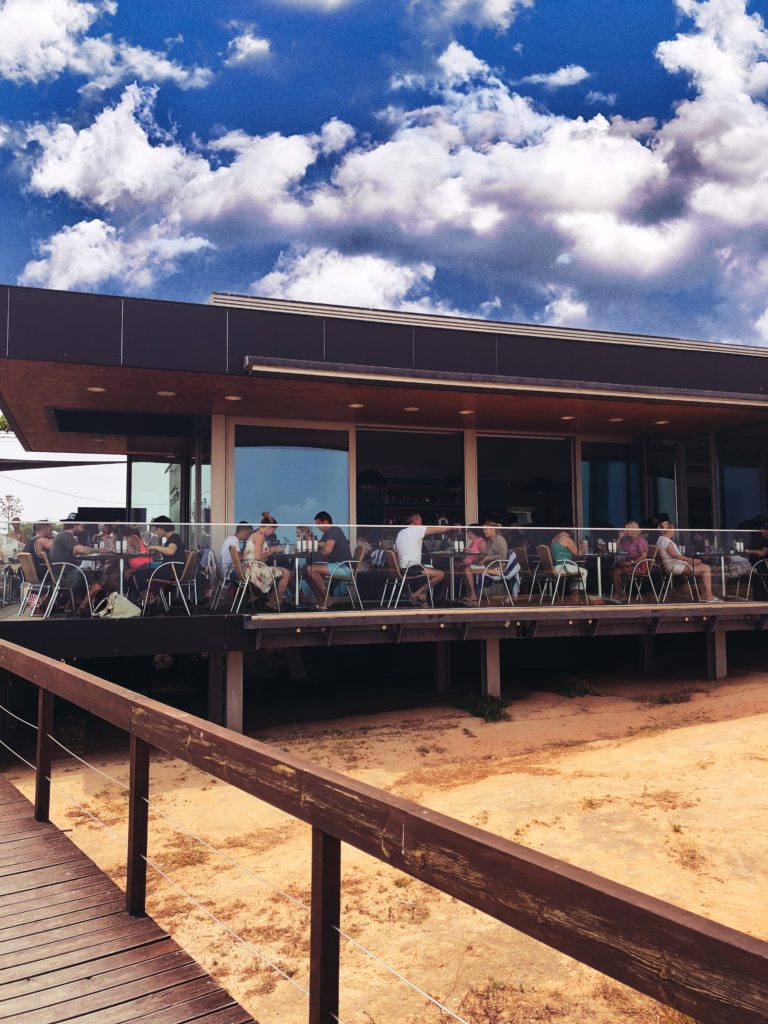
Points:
[[713, 973]]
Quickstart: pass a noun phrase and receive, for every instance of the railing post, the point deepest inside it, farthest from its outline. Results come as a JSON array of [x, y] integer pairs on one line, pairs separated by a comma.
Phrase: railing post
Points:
[[324, 938], [44, 754], [138, 814]]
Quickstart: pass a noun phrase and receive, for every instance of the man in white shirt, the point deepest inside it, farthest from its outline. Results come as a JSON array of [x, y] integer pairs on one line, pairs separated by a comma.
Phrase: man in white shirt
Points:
[[408, 545], [235, 540]]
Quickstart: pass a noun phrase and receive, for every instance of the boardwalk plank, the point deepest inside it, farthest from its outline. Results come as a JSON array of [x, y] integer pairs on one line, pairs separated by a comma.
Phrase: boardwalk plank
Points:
[[103, 965], [104, 1000], [70, 953]]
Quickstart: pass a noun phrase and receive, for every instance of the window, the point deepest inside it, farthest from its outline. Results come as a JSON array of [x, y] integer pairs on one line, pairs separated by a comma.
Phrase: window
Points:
[[291, 473], [524, 480], [610, 481]]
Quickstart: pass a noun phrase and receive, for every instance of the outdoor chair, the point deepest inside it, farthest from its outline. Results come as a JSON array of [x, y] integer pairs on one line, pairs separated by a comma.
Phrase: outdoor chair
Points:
[[348, 582], [400, 577], [55, 578], [639, 577], [762, 577], [500, 573], [30, 583], [689, 577], [551, 576], [181, 581], [527, 574], [243, 585]]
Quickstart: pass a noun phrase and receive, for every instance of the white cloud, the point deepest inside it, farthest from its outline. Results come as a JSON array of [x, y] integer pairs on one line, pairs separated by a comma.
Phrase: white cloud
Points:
[[89, 253], [247, 49], [322, 6], [43, 39], [572, 74], [607, 99], [564, 309], [496, 14]]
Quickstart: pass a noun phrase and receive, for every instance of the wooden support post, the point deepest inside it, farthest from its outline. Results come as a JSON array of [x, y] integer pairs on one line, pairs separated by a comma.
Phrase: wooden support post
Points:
[[216, 694], [5, 700], [44, 754], [490, 668], [648, 653], [443, 667], [138, 813], [324, 938], [717, 662], [235, 690]]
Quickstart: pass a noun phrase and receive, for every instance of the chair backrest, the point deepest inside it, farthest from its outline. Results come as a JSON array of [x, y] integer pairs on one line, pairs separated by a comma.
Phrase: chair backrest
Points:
[[545, 557], [28, 567], [237, 563], [49, 567], [522, 557], [392, 563], [512, 567], [653, 551], [357, 557], [190, 567]]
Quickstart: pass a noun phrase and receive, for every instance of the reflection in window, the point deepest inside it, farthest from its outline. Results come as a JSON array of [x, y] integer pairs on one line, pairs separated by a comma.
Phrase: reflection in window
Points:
[[524, 480], [698, 471], [291, 473], [740, 485], [610, 480], [402, 471], [662, 487], [157, 488]]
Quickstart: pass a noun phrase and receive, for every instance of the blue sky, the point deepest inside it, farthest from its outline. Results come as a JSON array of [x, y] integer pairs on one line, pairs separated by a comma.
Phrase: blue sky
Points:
[[588, 163]]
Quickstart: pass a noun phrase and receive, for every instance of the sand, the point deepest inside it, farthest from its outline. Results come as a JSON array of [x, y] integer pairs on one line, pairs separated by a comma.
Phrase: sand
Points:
[[662, 788]]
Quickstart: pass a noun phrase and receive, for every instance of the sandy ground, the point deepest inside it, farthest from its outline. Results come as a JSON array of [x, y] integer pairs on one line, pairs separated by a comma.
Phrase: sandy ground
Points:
[[662, 788]]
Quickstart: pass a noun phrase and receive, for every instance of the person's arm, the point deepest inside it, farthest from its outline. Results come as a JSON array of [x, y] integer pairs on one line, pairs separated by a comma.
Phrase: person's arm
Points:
[[326, 546], [434, 529], [83, 549], [164, 550]]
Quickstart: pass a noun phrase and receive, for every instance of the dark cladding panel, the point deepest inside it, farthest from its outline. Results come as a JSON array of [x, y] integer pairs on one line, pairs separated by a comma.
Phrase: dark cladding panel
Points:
[[175, 335], [64, 327], [454, 351], [253, 332], [369, 344], [536, 358]]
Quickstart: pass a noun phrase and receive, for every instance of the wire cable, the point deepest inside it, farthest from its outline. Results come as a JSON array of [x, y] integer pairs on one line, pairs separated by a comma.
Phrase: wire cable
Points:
[[17, 754], [22, 720]]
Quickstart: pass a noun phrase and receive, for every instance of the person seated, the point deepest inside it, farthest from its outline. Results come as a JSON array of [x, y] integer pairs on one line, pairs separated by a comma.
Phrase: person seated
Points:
[[170, 552], [332, 549], [236, 540], [675, 563], [409, 548], [473, 555], [565, 556], [41, 540], [757, 553], [632, 548], [104, 538], [257, 571], [66, 549]]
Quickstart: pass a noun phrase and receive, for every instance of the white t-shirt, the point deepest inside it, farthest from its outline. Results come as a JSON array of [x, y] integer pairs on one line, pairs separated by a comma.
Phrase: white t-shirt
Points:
[[226, 558], [663, 544], [408, 545]]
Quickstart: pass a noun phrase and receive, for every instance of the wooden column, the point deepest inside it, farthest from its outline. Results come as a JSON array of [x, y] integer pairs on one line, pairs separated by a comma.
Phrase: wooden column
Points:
[[470, 477], [138, 815], [234, 673], [216, 691], [647, 653], [5, 700], [717, 662], [443, 667], [490, 668], [44, 755], [324, 938]]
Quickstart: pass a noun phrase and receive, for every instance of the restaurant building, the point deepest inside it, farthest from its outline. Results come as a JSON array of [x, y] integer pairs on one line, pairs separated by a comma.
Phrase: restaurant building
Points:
[[246, 404]]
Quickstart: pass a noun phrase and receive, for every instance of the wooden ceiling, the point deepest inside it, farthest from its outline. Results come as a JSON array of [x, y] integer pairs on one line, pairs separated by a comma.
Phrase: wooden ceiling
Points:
[[31, 391]]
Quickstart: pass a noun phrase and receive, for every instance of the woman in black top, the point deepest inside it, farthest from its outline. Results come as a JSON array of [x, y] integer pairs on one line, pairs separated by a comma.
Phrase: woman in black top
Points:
[[170, 548]]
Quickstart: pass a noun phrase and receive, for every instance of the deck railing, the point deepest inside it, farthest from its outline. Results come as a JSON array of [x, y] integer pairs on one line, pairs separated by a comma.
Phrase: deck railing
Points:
[[704, 969]]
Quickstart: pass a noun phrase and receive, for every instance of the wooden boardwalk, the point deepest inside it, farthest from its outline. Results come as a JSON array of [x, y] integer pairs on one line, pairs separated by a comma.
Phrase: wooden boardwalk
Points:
[[68, 950]]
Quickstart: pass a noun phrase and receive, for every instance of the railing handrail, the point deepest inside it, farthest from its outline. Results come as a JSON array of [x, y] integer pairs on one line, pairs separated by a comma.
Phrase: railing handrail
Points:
[[701, 967]]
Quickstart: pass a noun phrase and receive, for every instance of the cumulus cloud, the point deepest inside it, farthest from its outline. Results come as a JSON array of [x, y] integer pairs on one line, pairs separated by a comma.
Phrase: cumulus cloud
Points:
[[606, 99], [496, 14], [89, 253], [322, 6], [564, 309], [43, 39], [572, 74], [247, 49]]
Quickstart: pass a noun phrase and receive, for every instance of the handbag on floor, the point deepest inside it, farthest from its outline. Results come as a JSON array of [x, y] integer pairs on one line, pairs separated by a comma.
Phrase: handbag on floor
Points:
[[118, 607]]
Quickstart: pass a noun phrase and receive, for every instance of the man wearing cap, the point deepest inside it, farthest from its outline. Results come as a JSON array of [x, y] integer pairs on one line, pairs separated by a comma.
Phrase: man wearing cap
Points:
[[67, 549]]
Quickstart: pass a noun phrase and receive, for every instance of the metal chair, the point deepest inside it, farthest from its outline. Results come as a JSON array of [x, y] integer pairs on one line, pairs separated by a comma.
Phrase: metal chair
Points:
[[689, 576], [500, 570], [187, 578], [243, 584], [397, 591], [549, 574], [350, 581], [762, 575], [57, 588], [30, 582], [527, 575]]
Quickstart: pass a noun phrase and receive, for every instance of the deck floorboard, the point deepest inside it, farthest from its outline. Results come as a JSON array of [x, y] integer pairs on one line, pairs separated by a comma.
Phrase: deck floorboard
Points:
[[68, 950]]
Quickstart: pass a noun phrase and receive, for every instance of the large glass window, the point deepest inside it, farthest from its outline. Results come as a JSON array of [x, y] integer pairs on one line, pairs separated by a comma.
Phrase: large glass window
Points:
[[524, 480], [698, 472], [610, 481], [291, 473], [740, 485], [662, 486], [158, 487], [399, 471]]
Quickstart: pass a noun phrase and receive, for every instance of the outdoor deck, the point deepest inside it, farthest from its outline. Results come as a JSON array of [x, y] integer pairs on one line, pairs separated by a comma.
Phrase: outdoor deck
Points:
[[68, 949]]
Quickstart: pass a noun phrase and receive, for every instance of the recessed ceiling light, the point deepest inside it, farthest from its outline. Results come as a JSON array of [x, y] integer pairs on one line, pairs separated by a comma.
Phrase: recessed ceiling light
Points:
[[661, 423], [167, 394], [95, 390], [356, 405], [466, 412], [233, 398], [567, 417], [616, 419], [411, 408]]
